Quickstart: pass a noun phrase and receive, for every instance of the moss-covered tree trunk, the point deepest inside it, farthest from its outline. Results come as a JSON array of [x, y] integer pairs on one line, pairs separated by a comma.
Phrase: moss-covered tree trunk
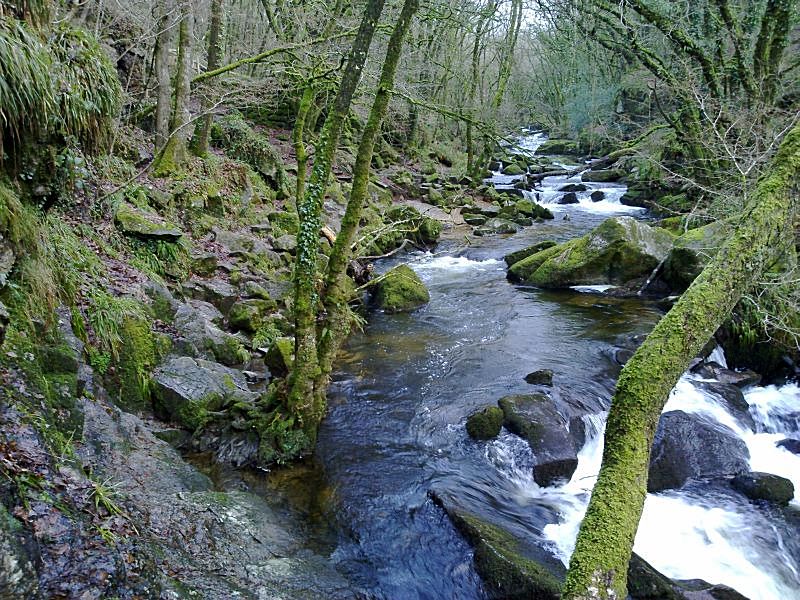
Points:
[[599, 565], [336, 324], [306, 297], [203, 128], [163, 80], [174, 152], [298, 140], [485, 16]]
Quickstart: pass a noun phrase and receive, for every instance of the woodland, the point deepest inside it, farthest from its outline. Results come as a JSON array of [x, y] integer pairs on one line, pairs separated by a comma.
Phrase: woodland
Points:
[[198, 199]]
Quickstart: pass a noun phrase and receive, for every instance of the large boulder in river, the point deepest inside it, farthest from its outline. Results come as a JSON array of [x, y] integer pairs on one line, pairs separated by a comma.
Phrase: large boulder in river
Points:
[[764, 486], [497, 226], [485, 424], [690, 446], [515, 257], [534, 418], [691, 252], [621, 249], [187, 390], [400, 290]]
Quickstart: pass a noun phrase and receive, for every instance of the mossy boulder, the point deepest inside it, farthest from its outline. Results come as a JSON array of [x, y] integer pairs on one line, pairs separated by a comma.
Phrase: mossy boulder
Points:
[[400, 290], [691, 252], [202, 336], [248, 315], [559, 146], [620, 250], [189, 390], [497, 226], [137, 358], [513, 169], [148, 226], [529, 208], [603, 175], [473, 219], [764, 486], [485, 423], [540, 377], [280, 356], [514, 257], [535, 418]]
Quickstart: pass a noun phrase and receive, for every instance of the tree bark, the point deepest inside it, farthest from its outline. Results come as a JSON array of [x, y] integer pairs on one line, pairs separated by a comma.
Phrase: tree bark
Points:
[[300, 400], [336, 324], [599, 565], [298, 140], [163, 80], [203, 128]]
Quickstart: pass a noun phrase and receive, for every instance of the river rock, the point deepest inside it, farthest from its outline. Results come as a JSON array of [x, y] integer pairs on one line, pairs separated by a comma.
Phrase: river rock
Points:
[[620, 250], [569, 198], [148, 226], [201, 336], [515, 257], [472, 219], [400, 290], [513, 169], [497, 226], [691, 252], [485, 424], [712, 370], [690, 446], [790, 444], [559, 146], [597, 195], [764, 486], [540, 377], [534, 418], [732, 398], [187, 389], [603, 175], [573, 187], [532, 209], [511, 568]]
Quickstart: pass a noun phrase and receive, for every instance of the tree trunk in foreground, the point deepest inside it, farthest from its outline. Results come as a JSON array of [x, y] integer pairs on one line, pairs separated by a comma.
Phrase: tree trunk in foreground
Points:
[[599, 565], [306, 299], [335, 296]]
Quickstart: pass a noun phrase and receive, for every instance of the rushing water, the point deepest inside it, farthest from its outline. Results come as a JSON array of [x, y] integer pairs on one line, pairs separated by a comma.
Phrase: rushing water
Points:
[[405, 386]]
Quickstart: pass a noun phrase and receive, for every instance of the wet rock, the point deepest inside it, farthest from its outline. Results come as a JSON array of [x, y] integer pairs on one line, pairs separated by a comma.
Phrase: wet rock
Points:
[[732, 398], [472, 219], [400, 290], [511, 569], [790, 444], [764, 486], [620, 250], [690, 446], [528, 208], [488, 210], [573, 187], [697, 589], [187, 390], [569, 198], [18, 577], [497, 226], [534, 418], [485, 424], [597, 196], [513, 169], [646, 583], [603, 175], [144, 225], [540, 377], [712, 370], [515, 257]]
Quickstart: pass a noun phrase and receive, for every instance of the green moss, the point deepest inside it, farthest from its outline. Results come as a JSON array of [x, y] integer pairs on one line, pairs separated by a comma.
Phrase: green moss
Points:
[[137, 358], [286, 221], [230, 352], [522, 269], [514, 257], [485, 424], [400, 290]]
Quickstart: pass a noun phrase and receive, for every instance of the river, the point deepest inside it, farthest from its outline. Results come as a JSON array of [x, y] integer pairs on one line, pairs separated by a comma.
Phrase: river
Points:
[[404, 387]]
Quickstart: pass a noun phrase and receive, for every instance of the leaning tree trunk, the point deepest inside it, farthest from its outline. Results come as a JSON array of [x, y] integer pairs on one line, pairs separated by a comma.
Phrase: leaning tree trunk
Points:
[[599, 565], [336, 324], [309, 209]]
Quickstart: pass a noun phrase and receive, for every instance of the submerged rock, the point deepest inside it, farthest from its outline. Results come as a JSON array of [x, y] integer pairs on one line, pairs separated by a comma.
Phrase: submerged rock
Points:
[[400, 290], [764, 486], [540, 377], [485, 424], [689, 446], [534, 418], [597, 196], [620, 250]]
